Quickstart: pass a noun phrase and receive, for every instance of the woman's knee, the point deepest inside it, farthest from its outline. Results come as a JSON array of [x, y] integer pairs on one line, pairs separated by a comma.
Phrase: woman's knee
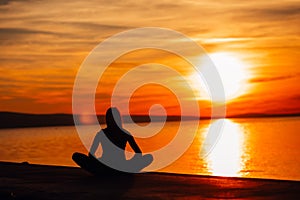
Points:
[[148, 157]]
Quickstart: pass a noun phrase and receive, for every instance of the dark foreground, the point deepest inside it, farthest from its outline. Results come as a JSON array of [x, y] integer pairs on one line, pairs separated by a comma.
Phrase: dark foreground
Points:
[[24, 181]]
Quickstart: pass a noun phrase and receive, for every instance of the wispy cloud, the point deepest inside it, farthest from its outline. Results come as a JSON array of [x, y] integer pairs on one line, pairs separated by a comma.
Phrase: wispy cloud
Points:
[[268, 79], [275, 12]]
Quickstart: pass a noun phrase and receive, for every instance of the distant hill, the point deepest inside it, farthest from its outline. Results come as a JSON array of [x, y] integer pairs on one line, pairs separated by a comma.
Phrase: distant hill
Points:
[[19, 120]]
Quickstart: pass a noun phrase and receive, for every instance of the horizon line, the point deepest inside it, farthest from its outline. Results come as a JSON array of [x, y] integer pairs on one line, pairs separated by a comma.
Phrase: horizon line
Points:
[[245, 115]]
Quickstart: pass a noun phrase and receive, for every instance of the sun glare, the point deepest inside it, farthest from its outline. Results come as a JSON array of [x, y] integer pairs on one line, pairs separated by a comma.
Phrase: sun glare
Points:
[[226, 157], [232, 70]]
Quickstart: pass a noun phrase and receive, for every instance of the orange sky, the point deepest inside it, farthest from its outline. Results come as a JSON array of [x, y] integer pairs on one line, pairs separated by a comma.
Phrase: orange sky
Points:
[[43, 44]]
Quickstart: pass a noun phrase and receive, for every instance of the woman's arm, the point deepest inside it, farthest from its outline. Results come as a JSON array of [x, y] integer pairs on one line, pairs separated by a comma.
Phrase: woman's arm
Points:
[[95, 144], [134, 145]]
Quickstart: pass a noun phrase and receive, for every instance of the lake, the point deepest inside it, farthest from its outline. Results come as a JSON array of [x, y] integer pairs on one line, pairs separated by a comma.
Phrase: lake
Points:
[[253, 147]]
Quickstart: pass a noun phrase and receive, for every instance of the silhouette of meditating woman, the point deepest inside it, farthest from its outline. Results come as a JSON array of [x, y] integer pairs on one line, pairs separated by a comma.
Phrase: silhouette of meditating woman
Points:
[[113, 140]]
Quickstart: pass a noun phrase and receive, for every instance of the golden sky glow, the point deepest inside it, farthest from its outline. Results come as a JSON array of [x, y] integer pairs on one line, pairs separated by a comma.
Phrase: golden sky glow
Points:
[[255, 45]]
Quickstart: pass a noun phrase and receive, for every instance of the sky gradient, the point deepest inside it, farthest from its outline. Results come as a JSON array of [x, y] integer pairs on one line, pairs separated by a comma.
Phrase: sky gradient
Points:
[[43, 44]]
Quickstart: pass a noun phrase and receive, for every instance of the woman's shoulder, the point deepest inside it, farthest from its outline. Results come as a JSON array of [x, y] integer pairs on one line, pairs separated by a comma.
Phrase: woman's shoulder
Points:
[[101, 132]]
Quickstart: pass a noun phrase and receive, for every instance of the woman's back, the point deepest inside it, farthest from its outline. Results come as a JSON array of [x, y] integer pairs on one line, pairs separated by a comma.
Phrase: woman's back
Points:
[[113, 144]]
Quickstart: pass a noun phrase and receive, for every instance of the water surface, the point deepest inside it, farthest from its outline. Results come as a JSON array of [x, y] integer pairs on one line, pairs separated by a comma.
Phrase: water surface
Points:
[[258, 147]]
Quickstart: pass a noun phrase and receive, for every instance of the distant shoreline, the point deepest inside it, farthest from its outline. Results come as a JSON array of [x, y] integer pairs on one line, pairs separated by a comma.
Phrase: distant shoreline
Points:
[[23, 120]]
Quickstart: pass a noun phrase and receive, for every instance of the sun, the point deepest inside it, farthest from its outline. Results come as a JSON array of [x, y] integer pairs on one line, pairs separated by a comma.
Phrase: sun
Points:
[[232, 70]]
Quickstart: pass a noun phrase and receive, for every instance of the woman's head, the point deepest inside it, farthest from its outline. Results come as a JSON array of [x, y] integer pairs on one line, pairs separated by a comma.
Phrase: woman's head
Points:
[[113, 118]]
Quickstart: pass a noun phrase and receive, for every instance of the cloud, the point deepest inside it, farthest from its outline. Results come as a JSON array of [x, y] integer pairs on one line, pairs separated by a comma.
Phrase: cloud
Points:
[[6, 2], [295, 98], [9, 31], [268, 19], [94, 26], [276, 13], [268, 79]]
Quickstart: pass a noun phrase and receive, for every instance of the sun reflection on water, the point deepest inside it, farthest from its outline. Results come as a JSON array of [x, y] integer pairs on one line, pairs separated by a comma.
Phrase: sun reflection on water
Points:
[[226, 158]]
